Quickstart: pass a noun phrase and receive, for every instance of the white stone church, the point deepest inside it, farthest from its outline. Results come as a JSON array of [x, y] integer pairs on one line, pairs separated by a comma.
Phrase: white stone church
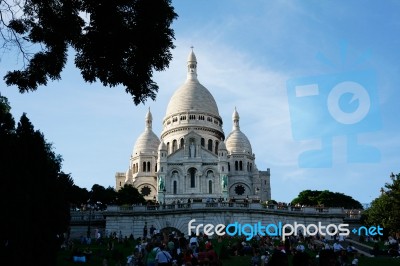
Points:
[[192, 159]]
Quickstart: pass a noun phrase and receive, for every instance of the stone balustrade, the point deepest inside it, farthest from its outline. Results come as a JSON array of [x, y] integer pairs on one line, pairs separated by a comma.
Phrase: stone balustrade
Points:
[[228, 206], [131, 219]]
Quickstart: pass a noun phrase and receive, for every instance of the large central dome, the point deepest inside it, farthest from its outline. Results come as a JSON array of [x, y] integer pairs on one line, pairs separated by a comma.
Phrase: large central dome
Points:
[[192, 96]]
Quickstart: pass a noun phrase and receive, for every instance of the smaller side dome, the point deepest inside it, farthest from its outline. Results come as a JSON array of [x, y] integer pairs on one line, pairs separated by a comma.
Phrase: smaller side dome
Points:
[[222, 146], [237, 141], [147, 142], [162, 146]]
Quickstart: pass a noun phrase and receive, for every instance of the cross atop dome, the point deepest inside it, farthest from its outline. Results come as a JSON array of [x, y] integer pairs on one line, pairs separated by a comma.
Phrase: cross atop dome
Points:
[[192, 65], [235, 118], [149, 120]]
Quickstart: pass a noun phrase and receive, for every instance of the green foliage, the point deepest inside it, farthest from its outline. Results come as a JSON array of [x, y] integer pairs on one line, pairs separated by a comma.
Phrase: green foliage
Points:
[[385, 210], [79, 196], [122, 43], [326, 198], [7, 122], [104, 195], [128, 194], [33, 194]]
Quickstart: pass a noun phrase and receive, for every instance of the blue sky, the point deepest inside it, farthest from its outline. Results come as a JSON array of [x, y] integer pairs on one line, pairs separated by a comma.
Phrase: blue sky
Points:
[[247, 51]]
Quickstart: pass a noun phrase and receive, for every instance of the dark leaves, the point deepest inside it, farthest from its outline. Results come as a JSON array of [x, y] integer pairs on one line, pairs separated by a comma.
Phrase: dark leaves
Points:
[[32, 194], [18, 26], [122, 44], [326, 198]]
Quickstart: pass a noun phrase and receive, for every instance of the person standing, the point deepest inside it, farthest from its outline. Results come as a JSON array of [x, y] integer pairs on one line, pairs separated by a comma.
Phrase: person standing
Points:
[[145, 231], [152, 229], [163, 258]]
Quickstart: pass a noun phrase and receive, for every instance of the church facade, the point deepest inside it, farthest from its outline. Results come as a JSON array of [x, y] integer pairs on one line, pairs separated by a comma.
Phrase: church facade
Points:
[[192, 159]]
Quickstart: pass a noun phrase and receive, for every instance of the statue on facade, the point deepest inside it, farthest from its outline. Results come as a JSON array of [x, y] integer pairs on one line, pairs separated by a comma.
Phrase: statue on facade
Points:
[[224, 182], [192, 150], [161, 185]]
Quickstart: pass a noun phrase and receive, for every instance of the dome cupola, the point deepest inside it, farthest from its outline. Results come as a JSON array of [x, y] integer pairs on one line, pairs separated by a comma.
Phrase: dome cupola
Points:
[[192, 107], [192, 96], [237, 142], [147, 142]]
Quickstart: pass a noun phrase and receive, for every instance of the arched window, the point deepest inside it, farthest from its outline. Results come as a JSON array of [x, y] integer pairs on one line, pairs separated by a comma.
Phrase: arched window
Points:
[[209, 186], [202, 142], [182, 143], [175, 188], [174, 145], [155, 168], [174, 174], [192, 174], [223, 168], [236, 165], [229, 167], [216, 147], [210, 145], [240, 166], [144, 167], [251, 166], [168, 151], [148, 167], [248, 166]]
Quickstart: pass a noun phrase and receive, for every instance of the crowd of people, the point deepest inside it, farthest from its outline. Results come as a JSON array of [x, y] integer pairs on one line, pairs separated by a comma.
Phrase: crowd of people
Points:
[[177, 250], [158, 249]]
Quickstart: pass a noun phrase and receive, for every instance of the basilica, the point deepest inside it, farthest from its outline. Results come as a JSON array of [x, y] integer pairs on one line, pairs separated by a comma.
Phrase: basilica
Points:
[[192, 158]]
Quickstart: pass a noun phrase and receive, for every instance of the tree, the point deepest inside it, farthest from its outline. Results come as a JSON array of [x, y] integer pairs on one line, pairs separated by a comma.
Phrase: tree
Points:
[[120, 42], [102, 196], [128, 194], [32, 194], [79, 196], [110, 196], [385, 210], [7, 122], [326, 198]]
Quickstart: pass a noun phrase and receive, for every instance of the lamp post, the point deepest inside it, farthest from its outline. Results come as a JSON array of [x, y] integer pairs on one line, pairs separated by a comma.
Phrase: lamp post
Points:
[[257, 191], [90, 220]]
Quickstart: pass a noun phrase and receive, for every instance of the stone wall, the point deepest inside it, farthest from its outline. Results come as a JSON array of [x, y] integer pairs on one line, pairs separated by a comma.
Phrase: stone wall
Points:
[[132, 220]]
